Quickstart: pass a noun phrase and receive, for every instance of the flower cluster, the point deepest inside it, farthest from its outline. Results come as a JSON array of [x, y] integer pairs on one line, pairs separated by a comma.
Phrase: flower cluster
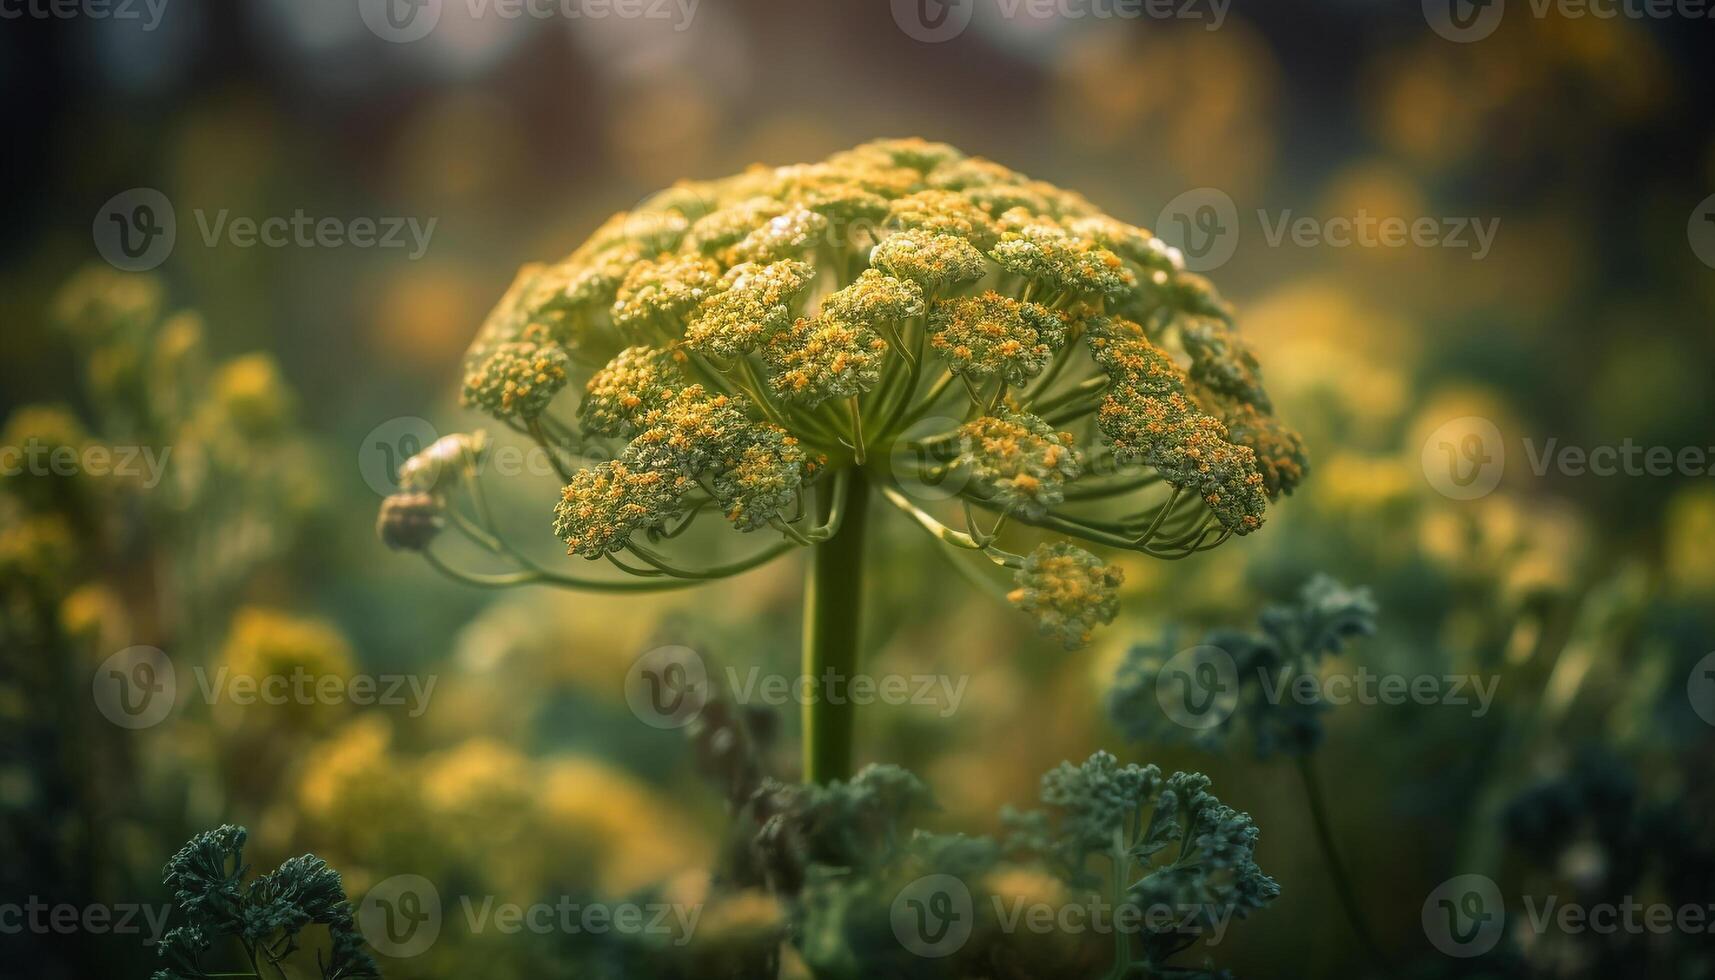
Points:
[[1067, 591], [760, 344]]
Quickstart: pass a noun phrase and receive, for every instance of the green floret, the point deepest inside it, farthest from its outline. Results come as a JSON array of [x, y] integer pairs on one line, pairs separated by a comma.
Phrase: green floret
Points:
[[935, 262], [1222, 361], [761, 480], [875, 299], [1126, 355], [645, 231], [918, 154], [784, 237], [689, 432], [835, 197], [971, 172], [1188, 448], [1045, 254], [1068, 591], [1127, 241], [266, 918], [982, 336], [824, 357], [998, 199], [663, 290], [517, 380], [1169, 844], [938, 212], [637, 380], [1291, 641], [1280, 453], [536, 301], [603, 505], [1019, 461], [718, 231], [751, 307]]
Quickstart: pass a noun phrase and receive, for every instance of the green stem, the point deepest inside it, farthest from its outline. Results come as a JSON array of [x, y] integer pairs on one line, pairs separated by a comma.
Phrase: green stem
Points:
[[833, 604], [1336, 867]]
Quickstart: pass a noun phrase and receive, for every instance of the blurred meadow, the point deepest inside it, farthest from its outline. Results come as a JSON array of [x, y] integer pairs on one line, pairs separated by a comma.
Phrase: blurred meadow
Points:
[[277, 385]]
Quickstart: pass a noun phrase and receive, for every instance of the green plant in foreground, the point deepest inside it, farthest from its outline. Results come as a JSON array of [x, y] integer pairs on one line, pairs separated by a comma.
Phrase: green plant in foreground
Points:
[[778, 345], [1252, 672], [265, 918]]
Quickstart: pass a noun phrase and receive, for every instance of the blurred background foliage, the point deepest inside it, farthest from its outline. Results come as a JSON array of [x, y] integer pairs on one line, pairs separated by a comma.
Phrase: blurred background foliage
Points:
[[527, 777]]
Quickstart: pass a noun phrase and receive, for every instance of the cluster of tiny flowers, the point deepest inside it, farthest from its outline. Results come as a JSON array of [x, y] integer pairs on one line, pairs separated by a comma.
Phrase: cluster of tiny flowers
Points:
[[1067, 591], [517, 379], [732, 337], [1020, 462]]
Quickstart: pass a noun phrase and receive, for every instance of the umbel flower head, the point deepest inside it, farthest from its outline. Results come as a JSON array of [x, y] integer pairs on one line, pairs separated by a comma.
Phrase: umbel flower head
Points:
[[766, 347]]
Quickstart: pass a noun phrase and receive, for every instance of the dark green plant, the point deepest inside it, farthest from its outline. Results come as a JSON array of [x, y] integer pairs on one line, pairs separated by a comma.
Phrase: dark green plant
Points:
[[1285, 653], [264, 919]]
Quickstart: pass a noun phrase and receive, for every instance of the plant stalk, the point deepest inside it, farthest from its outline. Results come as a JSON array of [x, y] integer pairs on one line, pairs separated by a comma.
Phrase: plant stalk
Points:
[[833, 613], [1336, 867]]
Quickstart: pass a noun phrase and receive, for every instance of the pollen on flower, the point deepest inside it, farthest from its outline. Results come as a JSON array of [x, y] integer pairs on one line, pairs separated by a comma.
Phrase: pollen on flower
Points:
[[1068, 591], [824, 357], [933, 261], [751, 306], [988, 335], [786, 236], [688, 432], [517, 379], [761, 480], [1019, 461], [663, 290], [617, 396], [1043, 252], [603, 505]]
